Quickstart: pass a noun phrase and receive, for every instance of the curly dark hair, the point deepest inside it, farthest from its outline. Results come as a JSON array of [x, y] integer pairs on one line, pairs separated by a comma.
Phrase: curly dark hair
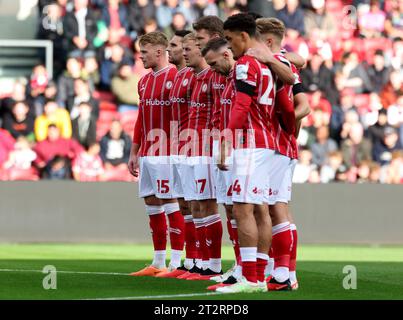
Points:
[[241, 22]]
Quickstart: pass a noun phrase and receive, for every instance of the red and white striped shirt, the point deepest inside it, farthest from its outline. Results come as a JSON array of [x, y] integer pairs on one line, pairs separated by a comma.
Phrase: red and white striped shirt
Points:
[[201, 112], [260, 114], [287, 143], [219, 83], [226, 101], [152, 129], [180, 96]]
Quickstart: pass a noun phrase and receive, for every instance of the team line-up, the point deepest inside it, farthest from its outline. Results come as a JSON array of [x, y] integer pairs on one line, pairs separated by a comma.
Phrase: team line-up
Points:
[[236, 101]]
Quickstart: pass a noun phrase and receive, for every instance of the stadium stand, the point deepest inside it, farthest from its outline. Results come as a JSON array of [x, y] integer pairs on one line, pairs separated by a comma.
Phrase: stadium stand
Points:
[[354, 77]]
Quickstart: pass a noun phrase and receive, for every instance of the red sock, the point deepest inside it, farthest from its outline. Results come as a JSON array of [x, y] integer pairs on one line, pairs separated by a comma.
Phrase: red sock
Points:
[[260, 267], [214, 234], [249, 270], [201, 239], [293, 257], [176, 230], [235, 242], [158, 225], [190, 238], [282, 244]]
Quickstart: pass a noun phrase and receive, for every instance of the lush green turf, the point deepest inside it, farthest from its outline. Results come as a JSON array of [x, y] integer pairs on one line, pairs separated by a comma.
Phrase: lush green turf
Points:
[[320, 273]]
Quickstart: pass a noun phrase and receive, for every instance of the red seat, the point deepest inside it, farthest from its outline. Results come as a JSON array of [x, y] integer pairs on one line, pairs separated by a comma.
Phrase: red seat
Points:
[[361, 100], [107, 105], [15, 174], [104, 96], [108, 115]]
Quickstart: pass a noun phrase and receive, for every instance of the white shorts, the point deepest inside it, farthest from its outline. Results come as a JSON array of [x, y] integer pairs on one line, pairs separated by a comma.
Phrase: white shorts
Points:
[[284, 193], [250, 175], [177, 163], [199, 178], [278, 170], [155, 177], [224, 184]]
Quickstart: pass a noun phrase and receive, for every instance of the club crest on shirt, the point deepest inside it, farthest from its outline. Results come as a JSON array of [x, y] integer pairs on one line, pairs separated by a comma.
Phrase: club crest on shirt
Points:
[[204, 88], [241, 71], [185, 82], [169, 85]]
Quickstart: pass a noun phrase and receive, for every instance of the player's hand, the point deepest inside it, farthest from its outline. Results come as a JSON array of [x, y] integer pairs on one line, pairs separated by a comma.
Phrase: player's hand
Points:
[[223, 156], [262, 53], [133, 165]]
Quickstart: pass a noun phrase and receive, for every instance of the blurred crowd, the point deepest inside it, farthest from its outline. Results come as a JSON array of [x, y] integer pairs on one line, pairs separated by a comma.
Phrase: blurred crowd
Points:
[[78, 123]]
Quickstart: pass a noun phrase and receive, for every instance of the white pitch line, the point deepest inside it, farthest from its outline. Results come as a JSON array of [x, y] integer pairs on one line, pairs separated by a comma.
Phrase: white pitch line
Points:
[[71, 272], [161, 296]]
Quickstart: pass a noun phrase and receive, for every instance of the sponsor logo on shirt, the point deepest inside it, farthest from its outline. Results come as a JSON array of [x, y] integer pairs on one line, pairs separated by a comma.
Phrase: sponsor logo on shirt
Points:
[[195, 104], [178, 100], [225, 101], [218, 86], [156, 102]]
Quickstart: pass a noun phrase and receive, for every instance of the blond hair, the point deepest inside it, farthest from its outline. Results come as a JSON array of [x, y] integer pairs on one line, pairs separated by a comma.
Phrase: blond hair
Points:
[[190, 37], [154, 38], [271, 25]]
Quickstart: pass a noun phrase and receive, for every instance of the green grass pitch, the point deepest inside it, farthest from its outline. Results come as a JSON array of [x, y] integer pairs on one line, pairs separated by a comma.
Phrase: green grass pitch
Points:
[[100, 271]]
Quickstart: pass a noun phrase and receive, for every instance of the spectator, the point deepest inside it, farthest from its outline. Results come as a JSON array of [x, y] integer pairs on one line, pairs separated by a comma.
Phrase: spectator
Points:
[[53, 114], [372, 23], [53, 146], [377, 131], [139, 12], [304, 167], [22, 156], [65, 87], [369, 113], [351, 119], [338, 114], [318, 19], [202, 8], [38, 81], [115, 147], [51, 28], [84, 126], [322, 147], [58, 168], [353, 75], [113, 57], [82, 93], [123, 85], [115, 16], [378, 72], [394, 172], [87, 166], [363, 171], [18, 94], [394, 20], [375, 173], [178, 23], [355, 148], [316, 76], [328, 171], [91, 70], [395, 113], [80, 28], [50, 93], [20, 122], [392, 90], [293, 17], [382, 152], [168, 9], [341, 174], [6, 145]]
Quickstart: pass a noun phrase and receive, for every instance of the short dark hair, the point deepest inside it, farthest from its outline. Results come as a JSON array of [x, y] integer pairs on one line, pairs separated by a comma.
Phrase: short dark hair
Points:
[[255, 15], [212, 24], [241, 22], [214, 44], [182, 33]]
